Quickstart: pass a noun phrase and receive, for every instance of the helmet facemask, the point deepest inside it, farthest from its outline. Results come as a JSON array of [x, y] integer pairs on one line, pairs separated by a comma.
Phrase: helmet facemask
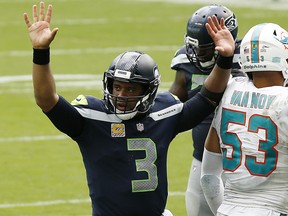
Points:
[[121, 105], [201, 56]]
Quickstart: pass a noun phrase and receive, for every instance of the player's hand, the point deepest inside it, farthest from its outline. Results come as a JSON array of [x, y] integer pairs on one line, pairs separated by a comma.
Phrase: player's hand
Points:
[[222, 37], [39, 31]]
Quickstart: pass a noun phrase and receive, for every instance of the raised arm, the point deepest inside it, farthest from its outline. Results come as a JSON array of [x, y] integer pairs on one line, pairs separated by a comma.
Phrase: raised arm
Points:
[[225, 45], [41, 36]]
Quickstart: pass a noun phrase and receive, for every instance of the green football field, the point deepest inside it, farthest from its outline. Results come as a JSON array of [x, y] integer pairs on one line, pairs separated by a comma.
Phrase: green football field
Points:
[[41, 170]]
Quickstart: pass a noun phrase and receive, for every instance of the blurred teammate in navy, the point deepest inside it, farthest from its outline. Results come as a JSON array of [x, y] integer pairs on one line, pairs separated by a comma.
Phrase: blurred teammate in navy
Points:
[[124, 138], [193, 63]]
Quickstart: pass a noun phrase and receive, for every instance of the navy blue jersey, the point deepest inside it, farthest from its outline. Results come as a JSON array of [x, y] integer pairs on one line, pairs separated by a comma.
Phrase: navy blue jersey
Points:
[[126, 161], [194, 81]]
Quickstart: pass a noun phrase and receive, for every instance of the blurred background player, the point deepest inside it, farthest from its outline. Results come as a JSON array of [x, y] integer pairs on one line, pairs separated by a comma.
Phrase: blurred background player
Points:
[[248, 139], [193, 63]]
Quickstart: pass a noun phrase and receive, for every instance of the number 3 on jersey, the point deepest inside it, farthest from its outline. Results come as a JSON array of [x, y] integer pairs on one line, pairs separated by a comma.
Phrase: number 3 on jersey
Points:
[[265, 146], [146, 164]]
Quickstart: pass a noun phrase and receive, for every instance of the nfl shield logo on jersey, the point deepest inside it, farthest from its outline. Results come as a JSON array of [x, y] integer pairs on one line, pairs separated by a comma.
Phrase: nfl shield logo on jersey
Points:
[[140, 127]]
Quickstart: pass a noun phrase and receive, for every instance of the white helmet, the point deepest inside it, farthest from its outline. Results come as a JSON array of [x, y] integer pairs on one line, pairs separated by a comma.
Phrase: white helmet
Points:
[[265, 48]]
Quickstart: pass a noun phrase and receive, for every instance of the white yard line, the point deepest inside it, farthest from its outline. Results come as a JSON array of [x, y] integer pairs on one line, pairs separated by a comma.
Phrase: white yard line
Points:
[[20, 78], [60, 202], [24, 53], [44, 203], [32, 138], [267, 4], [65, 82]]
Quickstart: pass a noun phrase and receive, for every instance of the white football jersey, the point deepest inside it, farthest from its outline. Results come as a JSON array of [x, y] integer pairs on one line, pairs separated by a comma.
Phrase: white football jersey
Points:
[[252, 125]]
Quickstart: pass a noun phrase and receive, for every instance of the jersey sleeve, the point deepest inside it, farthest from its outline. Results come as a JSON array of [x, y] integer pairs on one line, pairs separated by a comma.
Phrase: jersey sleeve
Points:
[[66, 118], [195, 110]]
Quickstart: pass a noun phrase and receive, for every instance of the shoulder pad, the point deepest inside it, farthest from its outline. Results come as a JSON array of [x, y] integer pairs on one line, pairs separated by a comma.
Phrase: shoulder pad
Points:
[[80, 100], [174, 96]]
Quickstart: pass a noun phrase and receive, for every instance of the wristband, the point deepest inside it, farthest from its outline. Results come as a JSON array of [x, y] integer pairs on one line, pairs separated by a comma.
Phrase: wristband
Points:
[[41, 56], [225, 62]]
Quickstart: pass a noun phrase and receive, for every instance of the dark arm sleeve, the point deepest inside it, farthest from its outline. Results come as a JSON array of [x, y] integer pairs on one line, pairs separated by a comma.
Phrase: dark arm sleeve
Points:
[[196, 110], [66, 118]]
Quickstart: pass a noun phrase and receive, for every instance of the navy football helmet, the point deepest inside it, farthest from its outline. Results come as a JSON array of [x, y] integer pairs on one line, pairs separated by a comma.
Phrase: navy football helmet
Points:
[[132, 67], [200, 48]]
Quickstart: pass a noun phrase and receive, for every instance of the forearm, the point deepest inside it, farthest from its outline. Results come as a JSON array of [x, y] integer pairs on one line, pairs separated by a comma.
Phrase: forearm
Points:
[[211, 181], [215, 84], [41, 37], [44, 87], [225, 46], [217, 80]]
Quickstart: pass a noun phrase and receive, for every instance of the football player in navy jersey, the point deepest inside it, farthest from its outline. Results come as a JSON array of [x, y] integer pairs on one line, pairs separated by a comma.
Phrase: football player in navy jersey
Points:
[[124, 137], [193, 63]]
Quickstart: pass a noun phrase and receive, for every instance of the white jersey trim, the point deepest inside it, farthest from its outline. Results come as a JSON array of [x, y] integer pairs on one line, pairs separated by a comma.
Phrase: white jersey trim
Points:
[[97, 115], [156, 116], [180, 59], [167, 112]]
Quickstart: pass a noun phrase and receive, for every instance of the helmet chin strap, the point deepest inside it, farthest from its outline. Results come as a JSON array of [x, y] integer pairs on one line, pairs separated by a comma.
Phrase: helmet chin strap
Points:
[[208, 63], [125, 116]]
